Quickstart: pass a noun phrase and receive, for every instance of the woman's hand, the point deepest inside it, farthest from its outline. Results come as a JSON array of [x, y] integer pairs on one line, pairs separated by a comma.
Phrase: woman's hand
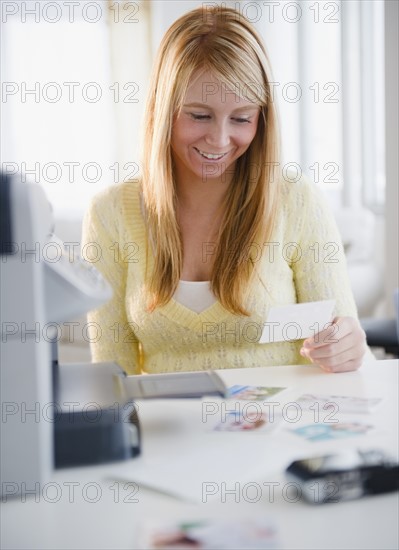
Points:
[[338, 348]]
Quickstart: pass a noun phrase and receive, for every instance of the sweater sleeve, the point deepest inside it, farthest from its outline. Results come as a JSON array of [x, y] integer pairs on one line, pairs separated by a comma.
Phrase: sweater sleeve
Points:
[[320, 267], [101, 241]]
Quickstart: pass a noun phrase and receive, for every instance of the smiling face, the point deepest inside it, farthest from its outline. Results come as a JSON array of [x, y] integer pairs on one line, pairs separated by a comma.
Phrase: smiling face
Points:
[[214, 128]]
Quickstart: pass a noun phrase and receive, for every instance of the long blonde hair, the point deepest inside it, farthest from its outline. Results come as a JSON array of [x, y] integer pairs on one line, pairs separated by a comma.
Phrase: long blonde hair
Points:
[[222, 41]]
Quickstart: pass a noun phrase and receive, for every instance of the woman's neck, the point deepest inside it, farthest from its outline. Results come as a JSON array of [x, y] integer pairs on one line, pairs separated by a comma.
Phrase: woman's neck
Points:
[[201, 198], [200, 195], [202, 202]]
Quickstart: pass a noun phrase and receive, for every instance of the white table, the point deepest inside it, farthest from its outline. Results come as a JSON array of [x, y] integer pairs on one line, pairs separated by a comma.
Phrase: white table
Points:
[[93, 510]]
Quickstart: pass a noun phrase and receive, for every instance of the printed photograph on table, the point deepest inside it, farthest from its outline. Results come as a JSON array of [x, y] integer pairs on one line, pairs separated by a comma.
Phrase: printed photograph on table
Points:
[[252, 393], [210, 534], [339, 403], [323, 432], [242, 421]]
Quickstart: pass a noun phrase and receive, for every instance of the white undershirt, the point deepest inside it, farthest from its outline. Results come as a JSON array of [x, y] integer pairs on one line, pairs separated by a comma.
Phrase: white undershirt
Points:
[[194, 295]]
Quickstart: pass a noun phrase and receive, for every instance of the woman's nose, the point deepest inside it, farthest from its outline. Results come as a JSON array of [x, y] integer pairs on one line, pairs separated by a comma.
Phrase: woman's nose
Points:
[[218, 136]]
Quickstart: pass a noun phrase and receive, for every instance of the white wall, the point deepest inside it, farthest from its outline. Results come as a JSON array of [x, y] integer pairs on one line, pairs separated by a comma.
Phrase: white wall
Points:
[[392, 148], [164, 13]]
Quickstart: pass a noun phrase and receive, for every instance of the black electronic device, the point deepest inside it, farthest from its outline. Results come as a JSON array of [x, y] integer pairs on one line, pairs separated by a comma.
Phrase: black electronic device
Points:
[[94, 420], [345, 475]]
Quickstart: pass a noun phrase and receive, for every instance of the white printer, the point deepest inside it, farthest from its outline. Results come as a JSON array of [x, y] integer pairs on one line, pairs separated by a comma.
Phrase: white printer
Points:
[[52, 415]]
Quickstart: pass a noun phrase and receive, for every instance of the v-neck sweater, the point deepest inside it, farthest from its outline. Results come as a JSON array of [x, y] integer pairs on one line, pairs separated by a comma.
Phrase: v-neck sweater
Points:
[[304, 261], [194, 295]]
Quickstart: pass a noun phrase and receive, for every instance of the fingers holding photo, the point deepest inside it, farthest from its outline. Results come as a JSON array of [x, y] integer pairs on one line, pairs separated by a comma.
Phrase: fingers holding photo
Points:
[[338, 348]]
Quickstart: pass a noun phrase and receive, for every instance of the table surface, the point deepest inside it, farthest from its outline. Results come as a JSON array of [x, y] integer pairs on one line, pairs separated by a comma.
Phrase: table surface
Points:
[[188, 471]]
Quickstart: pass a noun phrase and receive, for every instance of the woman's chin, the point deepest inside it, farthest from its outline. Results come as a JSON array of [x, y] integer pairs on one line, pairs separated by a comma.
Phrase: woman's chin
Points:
[[212, 172]]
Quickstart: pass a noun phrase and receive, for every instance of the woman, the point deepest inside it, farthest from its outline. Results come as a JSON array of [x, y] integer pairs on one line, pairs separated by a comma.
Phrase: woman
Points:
[[212, 236]]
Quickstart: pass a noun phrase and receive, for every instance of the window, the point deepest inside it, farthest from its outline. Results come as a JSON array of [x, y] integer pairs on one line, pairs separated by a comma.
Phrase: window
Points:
[[68, 74], [57, 99], [328, 62]]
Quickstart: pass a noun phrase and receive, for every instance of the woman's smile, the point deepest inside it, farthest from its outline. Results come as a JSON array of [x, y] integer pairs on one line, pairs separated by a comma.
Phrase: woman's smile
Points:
[[211, 156], [216, 129]]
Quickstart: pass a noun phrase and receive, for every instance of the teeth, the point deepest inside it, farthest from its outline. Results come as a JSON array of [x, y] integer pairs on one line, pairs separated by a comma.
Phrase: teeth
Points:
[[210, 156]]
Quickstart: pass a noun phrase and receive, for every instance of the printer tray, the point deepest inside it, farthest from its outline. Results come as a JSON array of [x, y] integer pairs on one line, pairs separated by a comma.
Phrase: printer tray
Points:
[[94, 420], [174, 385]]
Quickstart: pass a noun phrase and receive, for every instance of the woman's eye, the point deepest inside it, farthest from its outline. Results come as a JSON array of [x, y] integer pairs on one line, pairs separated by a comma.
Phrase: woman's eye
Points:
[[199, 117], [205, 117]]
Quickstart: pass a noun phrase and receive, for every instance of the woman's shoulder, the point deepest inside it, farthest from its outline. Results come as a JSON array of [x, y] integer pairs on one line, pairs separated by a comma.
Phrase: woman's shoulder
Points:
[[297, 187], [116, 197], [301, 205], [115, 209], [298, 193]]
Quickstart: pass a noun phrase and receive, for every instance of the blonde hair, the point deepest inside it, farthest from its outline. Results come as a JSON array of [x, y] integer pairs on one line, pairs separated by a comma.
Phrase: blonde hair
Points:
[[222, 41]]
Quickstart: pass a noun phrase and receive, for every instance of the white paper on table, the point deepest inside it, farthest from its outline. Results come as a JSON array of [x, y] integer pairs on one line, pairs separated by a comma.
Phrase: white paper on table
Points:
[[182, 458], [297, 321], [200, 470], [235, 532]]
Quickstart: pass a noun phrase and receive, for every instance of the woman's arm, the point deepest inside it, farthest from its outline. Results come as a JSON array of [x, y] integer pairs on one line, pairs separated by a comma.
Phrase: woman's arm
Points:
[[320, 274], [116, 340]]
